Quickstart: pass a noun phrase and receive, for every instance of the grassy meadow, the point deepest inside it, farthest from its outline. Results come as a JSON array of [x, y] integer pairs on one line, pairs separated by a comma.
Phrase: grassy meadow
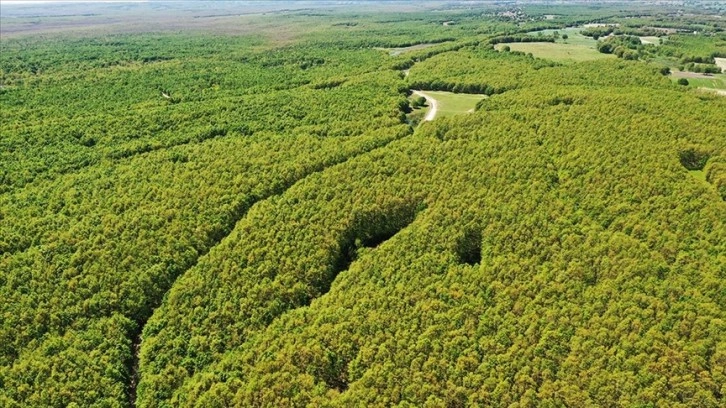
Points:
[[559, 51], [450, 103]]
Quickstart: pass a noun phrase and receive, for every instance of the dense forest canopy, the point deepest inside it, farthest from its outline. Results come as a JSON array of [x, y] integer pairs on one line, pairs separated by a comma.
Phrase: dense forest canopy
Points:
[[240, 205]]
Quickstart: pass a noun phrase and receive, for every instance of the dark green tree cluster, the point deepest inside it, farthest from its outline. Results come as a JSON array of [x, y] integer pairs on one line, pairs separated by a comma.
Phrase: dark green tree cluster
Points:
[[627, 47], [476, 69], [522, 38]]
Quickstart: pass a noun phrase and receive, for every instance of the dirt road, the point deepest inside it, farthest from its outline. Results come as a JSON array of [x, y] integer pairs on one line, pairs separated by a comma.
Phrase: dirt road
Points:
[[433, 105]]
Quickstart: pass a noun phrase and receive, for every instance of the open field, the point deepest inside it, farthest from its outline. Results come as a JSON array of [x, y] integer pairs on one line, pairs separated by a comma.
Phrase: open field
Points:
[[596, 25], [223, 17], [697, 80], [717, 82], [449, 103], [650, 40], [133, 20], [573, 34], [576, 47], [402, 50], [559, 51]]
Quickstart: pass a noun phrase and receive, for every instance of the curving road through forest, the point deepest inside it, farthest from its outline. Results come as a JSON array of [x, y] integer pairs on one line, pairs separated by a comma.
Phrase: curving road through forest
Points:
[[434, 105]]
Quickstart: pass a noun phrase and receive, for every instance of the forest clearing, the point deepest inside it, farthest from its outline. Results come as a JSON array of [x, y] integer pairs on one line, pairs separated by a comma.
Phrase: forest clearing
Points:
[[715, 82], [558, 51], [448, 103], [650, 40], [402, 50]]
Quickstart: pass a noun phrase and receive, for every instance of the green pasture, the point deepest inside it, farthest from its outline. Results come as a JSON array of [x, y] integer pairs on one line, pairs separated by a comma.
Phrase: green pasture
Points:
[[450, 104], [717, 81], [573, 36], [559, 51]]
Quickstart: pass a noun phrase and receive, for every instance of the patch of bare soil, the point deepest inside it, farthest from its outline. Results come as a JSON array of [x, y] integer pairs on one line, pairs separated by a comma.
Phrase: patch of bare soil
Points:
[[721, 92]]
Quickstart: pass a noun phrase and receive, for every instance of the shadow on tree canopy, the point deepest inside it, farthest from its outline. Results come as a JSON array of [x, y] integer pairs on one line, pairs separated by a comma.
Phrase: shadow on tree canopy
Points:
[[370, 229]]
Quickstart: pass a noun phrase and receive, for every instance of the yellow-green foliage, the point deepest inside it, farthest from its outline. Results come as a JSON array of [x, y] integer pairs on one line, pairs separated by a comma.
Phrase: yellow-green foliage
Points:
[[273, 233], [608, 245], [716, 174], [695, 48]]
